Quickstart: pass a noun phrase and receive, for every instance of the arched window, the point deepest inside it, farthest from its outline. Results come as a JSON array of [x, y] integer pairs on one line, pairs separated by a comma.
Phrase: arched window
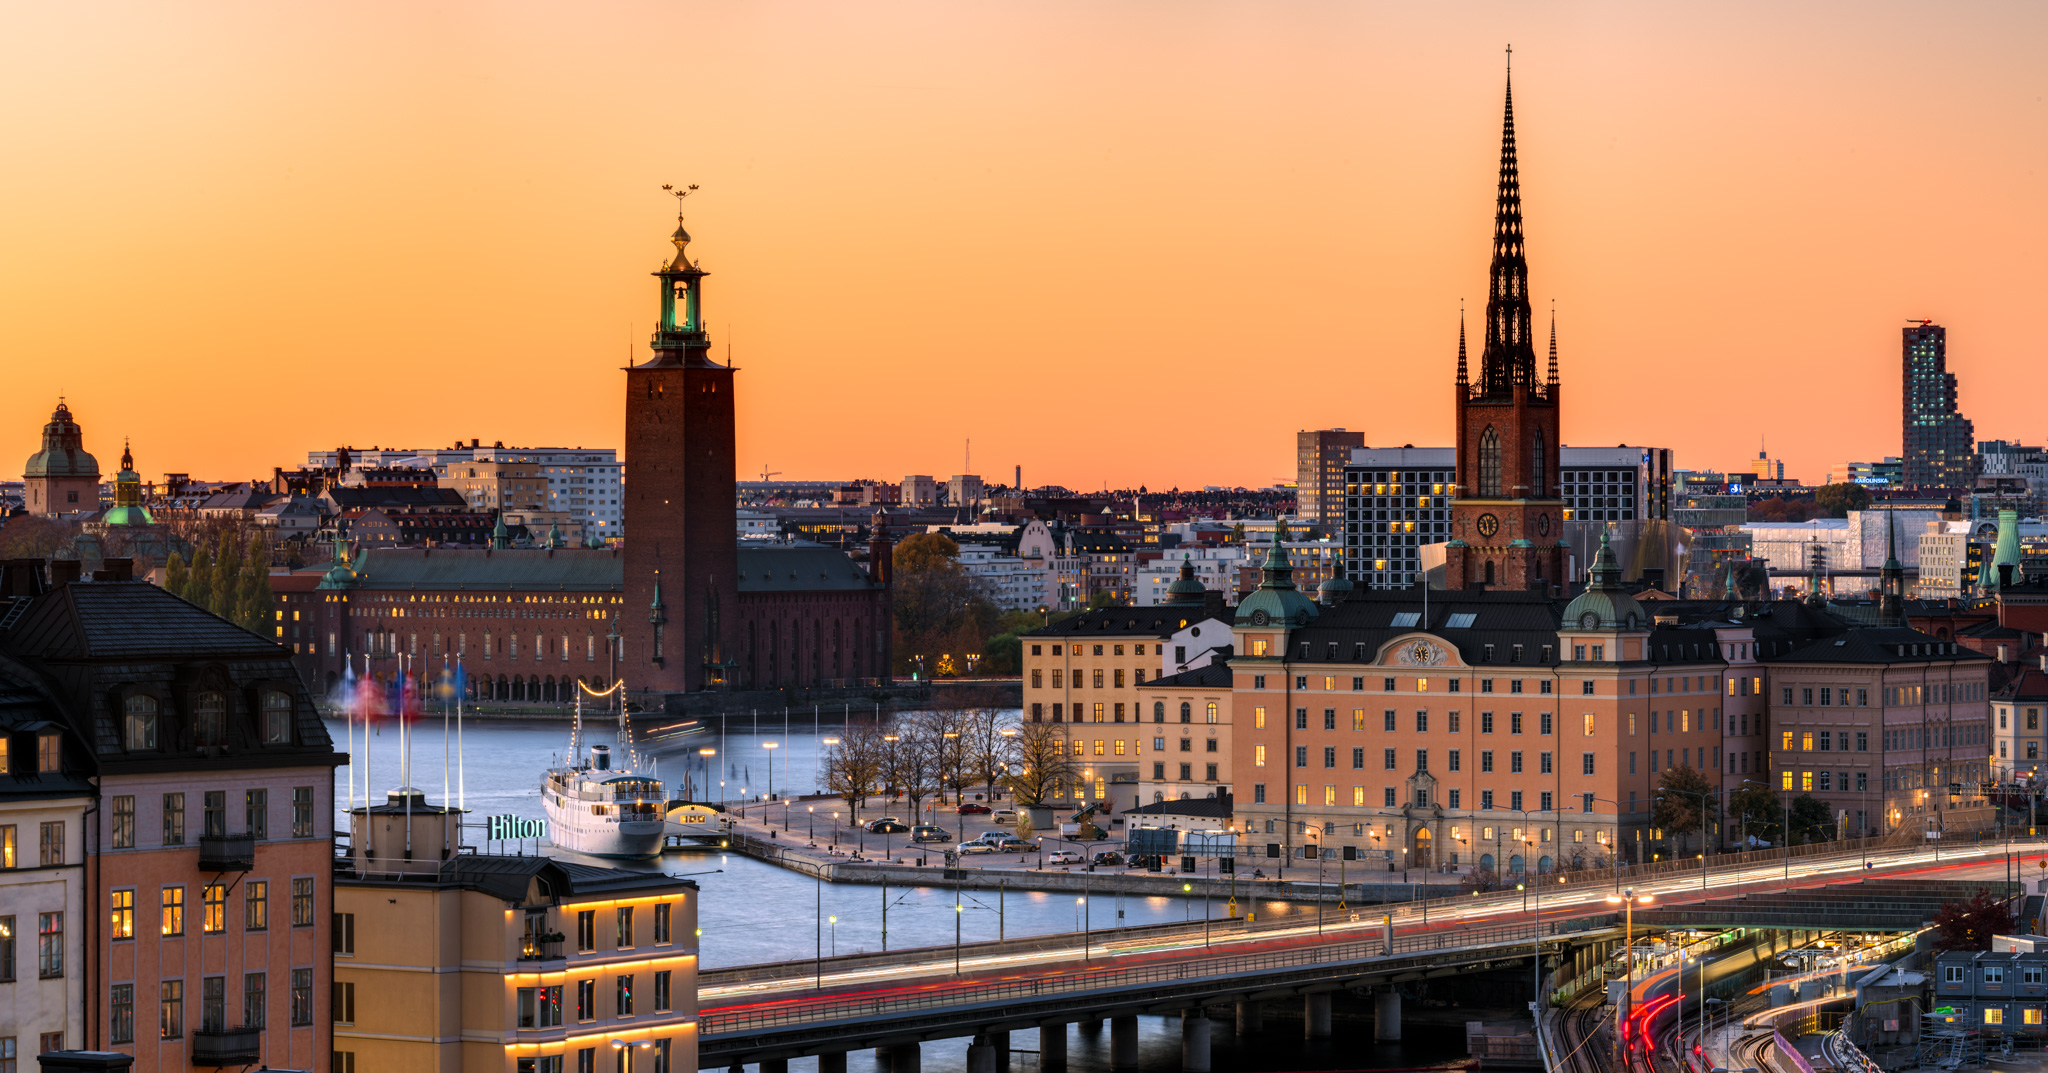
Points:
[[210, 718], [1187, 712], [1489, 462], [138, 727], [1159, 711], [1536, 465], [1212, 711], [1489, 572], [277, 718]]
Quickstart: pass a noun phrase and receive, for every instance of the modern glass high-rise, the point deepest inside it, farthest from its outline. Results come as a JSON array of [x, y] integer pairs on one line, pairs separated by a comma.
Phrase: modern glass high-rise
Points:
[[1938, 442]]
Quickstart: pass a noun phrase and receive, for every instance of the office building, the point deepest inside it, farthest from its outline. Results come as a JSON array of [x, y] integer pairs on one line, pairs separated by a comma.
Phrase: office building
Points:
[[1938, 447], [1320, 457]]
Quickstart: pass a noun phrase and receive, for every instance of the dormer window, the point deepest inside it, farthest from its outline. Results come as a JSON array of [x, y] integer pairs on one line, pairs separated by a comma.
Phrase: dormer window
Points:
[[277, 718], [49, 751], [210, 719], [138, 723]]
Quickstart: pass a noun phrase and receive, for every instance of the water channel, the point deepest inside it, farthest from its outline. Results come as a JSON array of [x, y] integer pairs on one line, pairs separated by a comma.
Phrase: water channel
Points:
[[753, 912]]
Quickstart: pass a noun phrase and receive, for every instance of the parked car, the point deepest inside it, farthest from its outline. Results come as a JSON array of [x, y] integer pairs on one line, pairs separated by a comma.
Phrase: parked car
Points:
[[1015, 845], [887, 827], [1004, 816], [875, 825], [925, 832], [994, 836], [1064, 856], [972, 809], [1109, 858], [976, 847]]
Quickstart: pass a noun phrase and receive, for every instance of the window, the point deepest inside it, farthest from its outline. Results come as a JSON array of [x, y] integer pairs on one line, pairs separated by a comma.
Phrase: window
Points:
[[124, 821], [277, 718], [210, 719], [1258, 756], [213, 916], [344, 1002], [1454, 763], [174, 819], [1951, 974], [586, 1000], [624, 987], [1586, 768], [138, 723], [1993, 1015], [216, 813], [302, 902], [255, 999], [123, 926], [256, 905], [1301, 756], [1543, 764], [1329, 756], [173, 911], [1485, 722], [302, 996], [51, 843], [1515, 762], [1389, 759], [170, 1008], [122, 1001], [49, 945], [6, 949], [586, 931], [256, 813], [302, 812], [661, 923], [625, 928]]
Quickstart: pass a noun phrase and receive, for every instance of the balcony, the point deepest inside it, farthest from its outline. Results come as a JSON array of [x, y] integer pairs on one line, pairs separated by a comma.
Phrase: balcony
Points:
[[227, 853], [227, 1046], [541, 948]]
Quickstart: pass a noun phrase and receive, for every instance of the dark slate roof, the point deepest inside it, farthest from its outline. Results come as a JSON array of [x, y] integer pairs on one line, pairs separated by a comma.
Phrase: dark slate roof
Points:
[[799, 567], [1212, 675], [400, 496], [1161, 621], [27, 706], [1892, 644], [571, 569], [1214, 808], [100, 620], [2026, 682], [1355, 629]]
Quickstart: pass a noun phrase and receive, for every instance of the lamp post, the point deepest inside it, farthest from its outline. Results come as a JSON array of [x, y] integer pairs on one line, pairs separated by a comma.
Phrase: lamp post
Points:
[[1627, 899], [704, 761], [813, 810], [771, 747]]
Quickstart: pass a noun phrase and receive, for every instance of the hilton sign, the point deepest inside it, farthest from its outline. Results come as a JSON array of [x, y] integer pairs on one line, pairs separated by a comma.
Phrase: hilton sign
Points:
[[509, 828]]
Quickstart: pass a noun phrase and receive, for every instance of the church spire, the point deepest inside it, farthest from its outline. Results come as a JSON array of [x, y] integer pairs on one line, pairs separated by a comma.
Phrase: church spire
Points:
[[1462, 381], [1508, 359], [1553, 346]]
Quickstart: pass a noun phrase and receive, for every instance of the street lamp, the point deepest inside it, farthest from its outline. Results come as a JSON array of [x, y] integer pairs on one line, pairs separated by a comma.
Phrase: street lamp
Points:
[[771, 746], [1628, 900], [705, 756]]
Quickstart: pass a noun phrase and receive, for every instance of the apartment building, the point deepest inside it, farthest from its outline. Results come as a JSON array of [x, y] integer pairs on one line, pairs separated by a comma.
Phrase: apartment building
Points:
[[45, 790], [489, 963], [211, 845], [1188, 718], [582, 483]]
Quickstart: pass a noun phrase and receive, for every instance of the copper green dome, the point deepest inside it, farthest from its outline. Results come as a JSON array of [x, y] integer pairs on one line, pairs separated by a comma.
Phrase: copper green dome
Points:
[[1186, 589], [1276, 602], [127, 508], [63, 453], [1605, 605]]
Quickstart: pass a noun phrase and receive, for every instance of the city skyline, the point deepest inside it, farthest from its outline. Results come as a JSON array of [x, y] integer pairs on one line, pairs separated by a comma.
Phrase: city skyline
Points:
[[1067, 211]]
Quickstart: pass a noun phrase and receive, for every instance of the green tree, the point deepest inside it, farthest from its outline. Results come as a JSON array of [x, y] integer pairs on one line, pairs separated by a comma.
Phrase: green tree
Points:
[[199, 582], [1970, 925], [176, 576], [253, 600], [1754, 809], [1679, 809], [1812, 820], [1839, 499], [1102, 599], [227, 576]]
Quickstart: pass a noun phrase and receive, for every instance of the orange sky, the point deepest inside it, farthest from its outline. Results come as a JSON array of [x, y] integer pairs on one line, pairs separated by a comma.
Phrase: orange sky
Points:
[[1123, 242]]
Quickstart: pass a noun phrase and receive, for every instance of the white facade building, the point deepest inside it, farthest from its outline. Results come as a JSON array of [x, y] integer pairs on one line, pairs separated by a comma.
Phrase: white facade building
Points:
[[585, 482], [1856, 542], [42, 923], [1215, 566]]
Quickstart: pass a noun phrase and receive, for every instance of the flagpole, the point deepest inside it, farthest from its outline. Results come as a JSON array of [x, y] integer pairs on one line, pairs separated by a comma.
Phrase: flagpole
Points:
[[348, 712], [461, 791], [445, 799], [368, 801], [405, 742]]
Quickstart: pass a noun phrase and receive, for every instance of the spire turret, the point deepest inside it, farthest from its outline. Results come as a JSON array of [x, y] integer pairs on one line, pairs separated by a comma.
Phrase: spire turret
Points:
[[679, 336], [1462, 380], [1508, 359], [1553, 346]]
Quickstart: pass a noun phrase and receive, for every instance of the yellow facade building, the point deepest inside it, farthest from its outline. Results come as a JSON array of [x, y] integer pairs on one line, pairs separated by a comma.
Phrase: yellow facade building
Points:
[[447, 961]]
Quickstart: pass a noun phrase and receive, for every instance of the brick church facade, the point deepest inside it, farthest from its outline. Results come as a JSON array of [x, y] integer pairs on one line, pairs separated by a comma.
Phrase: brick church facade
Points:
[[1507, 523]]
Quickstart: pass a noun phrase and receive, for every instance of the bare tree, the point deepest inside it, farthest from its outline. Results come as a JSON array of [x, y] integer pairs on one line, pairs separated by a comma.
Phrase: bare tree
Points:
[[1042, 763], [911, 761], [990, 744], [853, 768]]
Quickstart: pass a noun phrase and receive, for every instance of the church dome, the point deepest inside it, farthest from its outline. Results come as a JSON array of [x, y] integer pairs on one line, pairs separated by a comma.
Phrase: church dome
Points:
[[1605, 605], [63, 453], [1276, 601], [127, 508], [1186, 589]]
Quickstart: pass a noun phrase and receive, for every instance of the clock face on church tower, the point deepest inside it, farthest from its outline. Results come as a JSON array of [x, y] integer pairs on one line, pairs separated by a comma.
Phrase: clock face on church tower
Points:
[[1543, 525], [1488, 525]]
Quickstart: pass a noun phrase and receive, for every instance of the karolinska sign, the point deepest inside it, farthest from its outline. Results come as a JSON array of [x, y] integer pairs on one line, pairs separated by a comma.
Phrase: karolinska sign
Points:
[[512, 828]]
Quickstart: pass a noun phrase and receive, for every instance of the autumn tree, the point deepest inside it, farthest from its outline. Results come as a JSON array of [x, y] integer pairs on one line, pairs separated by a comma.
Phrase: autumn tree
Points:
[[1679, 807], [1970, 925], [939, 610], [1839, 499], [31, 536], [1041, 765]]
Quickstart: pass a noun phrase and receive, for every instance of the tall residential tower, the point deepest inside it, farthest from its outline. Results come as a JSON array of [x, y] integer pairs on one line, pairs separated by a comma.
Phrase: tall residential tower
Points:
[[1938, 442]]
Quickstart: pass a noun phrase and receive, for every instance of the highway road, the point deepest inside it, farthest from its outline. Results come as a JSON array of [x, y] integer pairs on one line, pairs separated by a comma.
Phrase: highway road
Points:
[[800, 982]]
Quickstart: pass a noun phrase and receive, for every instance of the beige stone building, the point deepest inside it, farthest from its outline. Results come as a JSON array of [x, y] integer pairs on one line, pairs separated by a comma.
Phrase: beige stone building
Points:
[[1188, 718], [456, 962]]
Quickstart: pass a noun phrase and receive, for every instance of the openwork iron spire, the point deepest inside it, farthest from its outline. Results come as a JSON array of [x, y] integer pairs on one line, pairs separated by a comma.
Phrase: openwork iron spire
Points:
[[1509, 357], [1553, 343], [1461, 345]]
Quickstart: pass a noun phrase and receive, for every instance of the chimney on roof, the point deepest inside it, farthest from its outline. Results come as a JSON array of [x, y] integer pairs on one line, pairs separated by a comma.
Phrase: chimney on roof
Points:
[[64, 571], [2003, 655]]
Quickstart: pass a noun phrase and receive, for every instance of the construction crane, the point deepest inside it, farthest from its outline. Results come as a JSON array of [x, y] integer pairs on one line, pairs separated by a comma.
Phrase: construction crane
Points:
[[768, 474]]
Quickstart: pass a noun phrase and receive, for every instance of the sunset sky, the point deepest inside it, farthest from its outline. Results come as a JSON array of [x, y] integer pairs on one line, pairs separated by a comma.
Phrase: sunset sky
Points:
[[1114, 242]]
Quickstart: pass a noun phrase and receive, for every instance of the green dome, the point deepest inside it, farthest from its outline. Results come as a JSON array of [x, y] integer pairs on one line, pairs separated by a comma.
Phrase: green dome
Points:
[[127, 515], [1605, 605], [63, 453], [1186, 589], [1276, 601]]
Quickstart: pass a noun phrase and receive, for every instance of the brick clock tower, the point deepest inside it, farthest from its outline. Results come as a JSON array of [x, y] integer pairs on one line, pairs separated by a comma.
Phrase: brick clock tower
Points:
[[1507, 522], [681, 570]]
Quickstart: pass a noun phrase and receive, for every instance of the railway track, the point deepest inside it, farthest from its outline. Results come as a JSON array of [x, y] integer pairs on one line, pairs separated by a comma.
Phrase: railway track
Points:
[[1582, 1046]]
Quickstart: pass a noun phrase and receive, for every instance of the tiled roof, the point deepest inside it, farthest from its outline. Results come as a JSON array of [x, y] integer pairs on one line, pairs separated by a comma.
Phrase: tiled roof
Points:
[[100, 620], [351, 498], [563, 569], [1212, 675], [508, 877], [798, 568], [1161, 621], [1896, 644]]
